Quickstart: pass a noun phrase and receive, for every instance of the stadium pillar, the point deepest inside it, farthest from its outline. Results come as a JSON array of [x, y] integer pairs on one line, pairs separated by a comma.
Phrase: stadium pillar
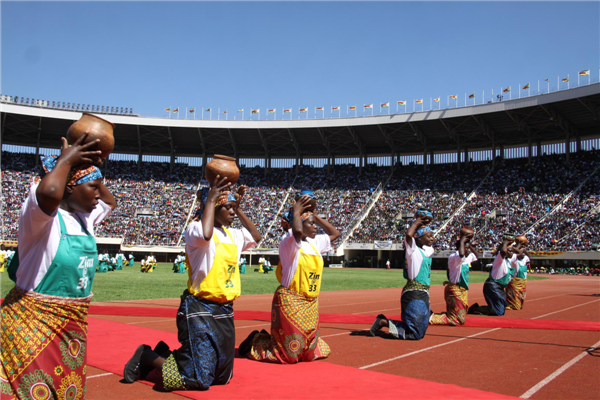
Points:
[[37, 144], [466, 155], [458, 158], [140, 149], [204, 160], [539, 148], [360, 165], [502, 152], [578, 140], [568, 148], [431, 159], [493, 154], [425, 160]]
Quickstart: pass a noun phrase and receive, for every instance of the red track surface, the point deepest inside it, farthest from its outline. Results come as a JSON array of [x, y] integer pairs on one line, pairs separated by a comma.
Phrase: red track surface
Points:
[[499, 360]]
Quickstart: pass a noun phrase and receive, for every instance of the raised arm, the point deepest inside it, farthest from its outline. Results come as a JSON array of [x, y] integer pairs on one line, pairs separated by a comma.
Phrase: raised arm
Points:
[[333, 233], [299, 208], [208, 217], [51, 189], [410, 234], [107, 197]]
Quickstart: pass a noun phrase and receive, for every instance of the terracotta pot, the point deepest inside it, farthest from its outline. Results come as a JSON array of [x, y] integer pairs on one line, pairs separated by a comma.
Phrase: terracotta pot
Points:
[[522, 239], [223, 166], [96, 128]]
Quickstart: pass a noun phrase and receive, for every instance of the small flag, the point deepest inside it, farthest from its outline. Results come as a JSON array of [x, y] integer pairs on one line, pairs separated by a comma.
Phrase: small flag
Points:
[[585, 72], [526, 87], [436, 100], [256, 111], [385, 104], [271, 110], [224, 112], [547, 80], [401, 102], [368, 105], [304, 109], [506, 90], [352, 108], [241, 110], [208, 110], [565, 80], [287, 110], [335, 108], [192, 110], [453, 96], [167, 109], [319, 109], [472, 96], [176, 110], [419, 101]]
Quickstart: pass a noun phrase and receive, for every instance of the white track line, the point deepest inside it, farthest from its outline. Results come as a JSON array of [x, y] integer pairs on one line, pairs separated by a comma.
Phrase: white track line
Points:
[[336, 334], [556, 373], [427, 349], [461, 339], [99, 375]]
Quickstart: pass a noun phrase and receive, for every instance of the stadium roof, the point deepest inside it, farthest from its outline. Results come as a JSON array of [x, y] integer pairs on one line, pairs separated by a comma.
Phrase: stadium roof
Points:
[[545, 118]]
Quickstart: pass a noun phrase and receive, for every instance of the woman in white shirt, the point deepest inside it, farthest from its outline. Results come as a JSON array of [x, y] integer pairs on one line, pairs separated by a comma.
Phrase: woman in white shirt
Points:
[[456, 289], [44, 324], [295, 324], [517, 287]]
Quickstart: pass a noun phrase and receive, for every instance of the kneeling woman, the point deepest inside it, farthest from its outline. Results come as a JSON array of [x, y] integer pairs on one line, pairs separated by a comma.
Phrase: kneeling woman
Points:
[[516, 288], [44, 317], [205, 316], [295, 311], [456, 290], [495, 285], [415, 295]]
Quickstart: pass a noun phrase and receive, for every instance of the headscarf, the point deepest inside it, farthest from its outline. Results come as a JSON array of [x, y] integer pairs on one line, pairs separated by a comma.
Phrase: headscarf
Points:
[[305, 192], [288, 218], [425, 212], [79, 174], [224, 197], [422, 231]]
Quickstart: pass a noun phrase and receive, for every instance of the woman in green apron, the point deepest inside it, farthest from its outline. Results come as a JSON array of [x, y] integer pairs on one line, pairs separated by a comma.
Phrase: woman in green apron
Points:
[[44, 326], [205, 316]]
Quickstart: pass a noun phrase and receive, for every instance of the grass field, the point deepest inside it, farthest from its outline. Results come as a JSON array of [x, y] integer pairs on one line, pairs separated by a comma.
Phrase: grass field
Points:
[[131, 284]]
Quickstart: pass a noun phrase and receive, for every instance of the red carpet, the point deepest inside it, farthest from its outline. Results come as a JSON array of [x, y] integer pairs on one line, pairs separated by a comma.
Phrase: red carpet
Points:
[[111, 344], [472, 321]]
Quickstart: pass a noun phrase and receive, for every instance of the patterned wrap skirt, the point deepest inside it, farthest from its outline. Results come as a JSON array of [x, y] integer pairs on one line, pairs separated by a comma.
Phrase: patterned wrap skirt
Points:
[[515, 293], [294, 331], [415, 315], [206, 332], [457, 305], [43, 346]]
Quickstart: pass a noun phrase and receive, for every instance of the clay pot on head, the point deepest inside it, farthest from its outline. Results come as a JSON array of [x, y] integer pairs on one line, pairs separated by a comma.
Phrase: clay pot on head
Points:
[[223, 166], [96, 128], [521, 239]]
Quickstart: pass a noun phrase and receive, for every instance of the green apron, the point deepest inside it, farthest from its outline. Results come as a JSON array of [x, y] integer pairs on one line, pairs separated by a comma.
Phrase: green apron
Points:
[[506, 278], [522, 270], [424, 275], [73, 268], [463, 281]]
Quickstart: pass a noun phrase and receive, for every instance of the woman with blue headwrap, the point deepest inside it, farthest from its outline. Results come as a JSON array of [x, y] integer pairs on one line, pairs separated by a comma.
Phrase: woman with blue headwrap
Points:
[[205, 317], [294, 333], [44, 324], [415, 294]]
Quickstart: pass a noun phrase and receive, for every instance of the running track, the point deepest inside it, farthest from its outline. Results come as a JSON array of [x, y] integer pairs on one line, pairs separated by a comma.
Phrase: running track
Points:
[[527, 363]]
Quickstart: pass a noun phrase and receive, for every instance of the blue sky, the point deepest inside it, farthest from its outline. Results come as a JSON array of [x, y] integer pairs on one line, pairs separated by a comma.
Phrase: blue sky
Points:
[[233, 55]]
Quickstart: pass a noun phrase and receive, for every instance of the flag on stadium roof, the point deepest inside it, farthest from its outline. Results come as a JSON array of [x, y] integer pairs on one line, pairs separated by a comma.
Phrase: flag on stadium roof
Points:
[[368, 105], [352, 107], [225, 112], [565, 80], [192, 110], [305, 109], [401, 102], [472, 95], [287, 110], [208, 110], [256, 111], [271, 110], [584, 72], [526, 87], [419, 101], [167, 109], [335, 108], [453, 96], [385, 104], [241, 110], [506, 90], [547, 80], [436, 100], [319, 109], [176, 110]]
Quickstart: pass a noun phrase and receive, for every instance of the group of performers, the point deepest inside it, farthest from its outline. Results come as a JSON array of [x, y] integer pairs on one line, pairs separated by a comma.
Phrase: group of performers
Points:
[[59, 260], [107, 263], [148, 264], [179, 264]]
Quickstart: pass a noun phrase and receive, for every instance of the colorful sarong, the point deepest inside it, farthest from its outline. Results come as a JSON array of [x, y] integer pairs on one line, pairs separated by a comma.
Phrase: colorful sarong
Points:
[[206, 332], [515, 293], [294, 331], [457, 304], [43, 346]]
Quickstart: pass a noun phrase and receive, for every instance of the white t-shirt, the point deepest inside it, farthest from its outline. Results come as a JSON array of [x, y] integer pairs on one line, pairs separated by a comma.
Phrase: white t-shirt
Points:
[[201, 253], [515, 259], [289, 253], [39, 236], [455, 262], [500, 267], [414, 258]]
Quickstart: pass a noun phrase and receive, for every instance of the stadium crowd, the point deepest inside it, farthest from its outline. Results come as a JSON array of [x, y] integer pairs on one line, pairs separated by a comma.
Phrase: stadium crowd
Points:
[[154, 204]]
